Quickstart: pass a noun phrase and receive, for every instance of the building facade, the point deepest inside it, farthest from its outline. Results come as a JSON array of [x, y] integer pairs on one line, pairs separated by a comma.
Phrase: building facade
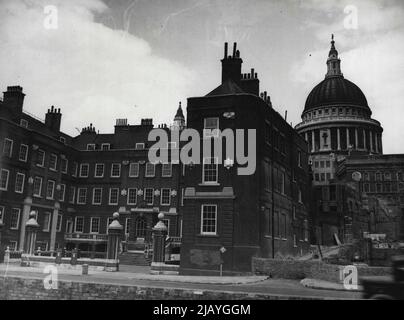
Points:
[[381, 187], [229, 217], [76, 183], [343, 139]]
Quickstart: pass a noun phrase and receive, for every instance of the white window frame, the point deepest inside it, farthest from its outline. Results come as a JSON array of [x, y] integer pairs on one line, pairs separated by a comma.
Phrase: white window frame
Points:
[[162, 170], [53, 189], [66, 168], [217, 171], [2, 209], [47, 228], [62, 193], [18, 218], [92, 145], [75, 224], [127, 201], [136, 164], [169, 197], [112, 170], [78, 195], [40, 187], [154, 170], [103, 170], [81, 169], [19, 174], [53, 155], [91, 225], [117, 198], [139, 146], [93, 200], [144, 196], [10, 153], [105, 144], [109, 221], [42, 164], [201, 230], [26, 153], [210, 132], [13, 245]]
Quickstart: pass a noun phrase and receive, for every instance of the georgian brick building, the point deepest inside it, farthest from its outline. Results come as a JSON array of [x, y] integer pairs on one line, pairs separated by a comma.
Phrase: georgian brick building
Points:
[[230, 218], [76, 183]]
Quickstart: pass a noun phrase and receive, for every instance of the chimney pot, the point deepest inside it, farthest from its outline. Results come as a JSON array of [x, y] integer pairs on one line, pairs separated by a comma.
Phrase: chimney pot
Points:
[[234, 49], [225, 49]]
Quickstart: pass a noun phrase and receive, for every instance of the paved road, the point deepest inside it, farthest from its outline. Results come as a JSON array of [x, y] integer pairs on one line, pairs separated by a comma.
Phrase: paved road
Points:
[[276, 287]]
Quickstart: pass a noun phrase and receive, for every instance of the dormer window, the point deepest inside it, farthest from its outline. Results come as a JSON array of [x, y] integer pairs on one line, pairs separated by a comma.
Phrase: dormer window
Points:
[[105, 147], [62, 139], [139, 146], [90, 147], [24, 123]]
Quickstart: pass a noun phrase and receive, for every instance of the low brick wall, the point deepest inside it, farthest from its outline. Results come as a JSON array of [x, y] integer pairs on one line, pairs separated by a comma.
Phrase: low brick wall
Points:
[[17, 288], [295, 269]]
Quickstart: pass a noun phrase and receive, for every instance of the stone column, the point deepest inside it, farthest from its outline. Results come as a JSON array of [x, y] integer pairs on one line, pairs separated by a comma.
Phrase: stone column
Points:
[[313, 148], [159, 241], [356, 139], [54, 225], [31, 229], [364, 139], [347, 138], [306, 137], [371, 140], [114, 236], [25, 216], [376, 142], [338, 140]]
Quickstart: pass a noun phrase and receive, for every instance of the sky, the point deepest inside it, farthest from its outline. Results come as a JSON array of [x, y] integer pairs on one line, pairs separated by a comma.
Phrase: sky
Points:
[[106, 59]]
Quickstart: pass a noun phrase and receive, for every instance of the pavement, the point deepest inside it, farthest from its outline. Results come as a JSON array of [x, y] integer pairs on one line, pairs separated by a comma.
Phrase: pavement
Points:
[[140, 276], [326, 285]]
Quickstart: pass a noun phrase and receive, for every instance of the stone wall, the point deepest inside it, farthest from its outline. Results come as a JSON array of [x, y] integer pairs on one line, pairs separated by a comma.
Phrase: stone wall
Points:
[[16, 288], [295, 269]]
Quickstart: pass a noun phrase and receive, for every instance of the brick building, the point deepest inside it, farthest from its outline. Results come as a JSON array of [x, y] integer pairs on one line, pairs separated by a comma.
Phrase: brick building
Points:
[[230, 218], [76, 183], [381, 187]]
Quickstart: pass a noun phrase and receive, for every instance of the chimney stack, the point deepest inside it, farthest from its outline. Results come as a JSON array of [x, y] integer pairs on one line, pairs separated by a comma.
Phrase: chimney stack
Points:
[[231, 65], [53, 119], [13, 99]]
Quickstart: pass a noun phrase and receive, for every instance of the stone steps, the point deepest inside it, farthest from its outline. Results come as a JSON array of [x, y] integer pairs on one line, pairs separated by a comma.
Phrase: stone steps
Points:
[[134, 258]]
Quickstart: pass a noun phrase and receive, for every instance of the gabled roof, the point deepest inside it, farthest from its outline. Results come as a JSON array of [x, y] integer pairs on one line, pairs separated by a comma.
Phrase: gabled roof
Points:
[[227, 87]]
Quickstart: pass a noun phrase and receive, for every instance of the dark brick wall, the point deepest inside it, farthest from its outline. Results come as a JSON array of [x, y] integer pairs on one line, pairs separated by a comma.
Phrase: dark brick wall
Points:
[[13, 288]]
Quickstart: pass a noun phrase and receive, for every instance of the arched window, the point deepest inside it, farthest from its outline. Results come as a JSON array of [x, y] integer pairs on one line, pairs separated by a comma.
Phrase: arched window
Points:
[[140, 227]]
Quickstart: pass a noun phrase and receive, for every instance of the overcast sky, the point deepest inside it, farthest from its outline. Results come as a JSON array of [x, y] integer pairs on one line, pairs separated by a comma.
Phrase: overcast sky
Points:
[[135, 59]]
